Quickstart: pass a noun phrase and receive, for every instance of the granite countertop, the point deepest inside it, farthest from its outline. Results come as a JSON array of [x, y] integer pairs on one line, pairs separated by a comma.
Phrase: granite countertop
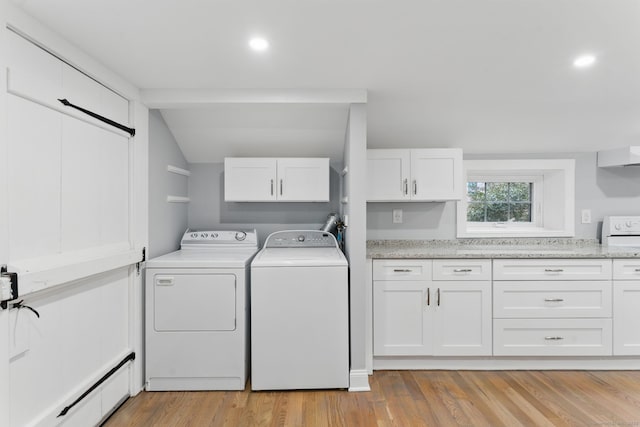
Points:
[[497, 248]]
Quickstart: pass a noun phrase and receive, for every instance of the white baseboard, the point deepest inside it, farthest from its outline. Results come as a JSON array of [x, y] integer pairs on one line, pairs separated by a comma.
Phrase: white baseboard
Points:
[[507, 363], [359, 380]]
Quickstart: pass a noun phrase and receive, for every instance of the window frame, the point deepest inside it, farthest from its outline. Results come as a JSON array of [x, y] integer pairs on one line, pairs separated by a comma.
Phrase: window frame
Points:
[[536, 200], [553, 198]]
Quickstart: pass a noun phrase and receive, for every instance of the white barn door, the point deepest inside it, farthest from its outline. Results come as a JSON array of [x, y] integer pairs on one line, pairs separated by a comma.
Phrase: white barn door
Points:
[[68, 230]]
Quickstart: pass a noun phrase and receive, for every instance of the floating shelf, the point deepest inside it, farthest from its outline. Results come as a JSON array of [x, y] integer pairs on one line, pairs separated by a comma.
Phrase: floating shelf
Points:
[[177, 170], [178, 199]]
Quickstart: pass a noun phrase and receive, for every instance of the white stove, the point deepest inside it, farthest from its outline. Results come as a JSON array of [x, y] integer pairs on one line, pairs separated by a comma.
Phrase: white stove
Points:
[[621, 231], [197, 312]]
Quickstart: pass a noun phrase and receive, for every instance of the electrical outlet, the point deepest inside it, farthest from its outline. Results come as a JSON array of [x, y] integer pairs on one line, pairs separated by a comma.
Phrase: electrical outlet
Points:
[[586, 216], [397, 216]]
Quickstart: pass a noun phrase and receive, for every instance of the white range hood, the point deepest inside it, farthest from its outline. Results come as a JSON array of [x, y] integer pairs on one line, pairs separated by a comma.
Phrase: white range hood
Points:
[[627, 156]]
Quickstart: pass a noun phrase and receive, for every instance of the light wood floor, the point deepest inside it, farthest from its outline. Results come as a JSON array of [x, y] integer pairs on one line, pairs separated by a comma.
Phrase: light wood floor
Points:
[[410, 398]]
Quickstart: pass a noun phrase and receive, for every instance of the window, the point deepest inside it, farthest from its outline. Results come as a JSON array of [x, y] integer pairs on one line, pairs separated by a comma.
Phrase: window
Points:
[[499, 201], [517, 198]]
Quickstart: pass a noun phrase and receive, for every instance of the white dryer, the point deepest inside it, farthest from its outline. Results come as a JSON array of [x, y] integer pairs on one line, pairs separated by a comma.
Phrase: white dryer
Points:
[[299, 313], [197, 313]]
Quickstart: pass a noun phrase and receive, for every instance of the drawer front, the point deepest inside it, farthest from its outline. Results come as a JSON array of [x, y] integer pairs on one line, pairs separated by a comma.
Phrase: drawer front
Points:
[[552, 269], [626, 269], [401, 269], [462, 269], [530, 299], [552, 337]]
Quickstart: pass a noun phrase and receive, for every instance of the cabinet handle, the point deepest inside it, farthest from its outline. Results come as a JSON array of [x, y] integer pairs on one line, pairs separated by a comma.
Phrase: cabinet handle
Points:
[[553, 300], [406, 187], [553, 270], [281, 187], [272, 187], [415, 187], [428, 296], [402, 270], [438, 297], [462, 270], [553, 338]]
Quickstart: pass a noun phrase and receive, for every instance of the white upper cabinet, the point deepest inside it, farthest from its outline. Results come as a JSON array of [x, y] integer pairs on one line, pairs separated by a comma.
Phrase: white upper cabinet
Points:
[[414, 175], [249, 179]]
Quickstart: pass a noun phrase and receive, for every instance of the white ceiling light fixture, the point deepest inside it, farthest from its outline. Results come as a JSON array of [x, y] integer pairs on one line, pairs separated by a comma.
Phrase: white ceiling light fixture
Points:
[[259, 44], [584, 61]]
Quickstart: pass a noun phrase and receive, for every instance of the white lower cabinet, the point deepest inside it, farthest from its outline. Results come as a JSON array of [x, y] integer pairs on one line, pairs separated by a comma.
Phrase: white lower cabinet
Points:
[[626, 307], [552, 337], [428, 317], [552, 307], [505, 307]]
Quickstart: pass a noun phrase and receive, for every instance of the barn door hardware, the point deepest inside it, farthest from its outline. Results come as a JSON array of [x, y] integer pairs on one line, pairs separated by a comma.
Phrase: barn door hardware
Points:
[[8, 286], [129, 357], [130, 131]]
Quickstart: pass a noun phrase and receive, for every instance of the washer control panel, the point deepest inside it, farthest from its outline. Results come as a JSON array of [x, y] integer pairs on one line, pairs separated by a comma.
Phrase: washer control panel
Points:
[[202, 238], [301, 239]]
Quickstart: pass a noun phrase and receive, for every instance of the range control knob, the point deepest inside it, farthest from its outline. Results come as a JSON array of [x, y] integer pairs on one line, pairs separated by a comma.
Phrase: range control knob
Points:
[[301, 238], [617, 226], [628, 224], [241, 235]]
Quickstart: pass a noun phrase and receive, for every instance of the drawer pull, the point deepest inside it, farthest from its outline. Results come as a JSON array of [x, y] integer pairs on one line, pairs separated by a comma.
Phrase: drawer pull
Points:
[[553, 300], [553, 338], [553, 270], [637, 270], [402, 270], [462, 270]]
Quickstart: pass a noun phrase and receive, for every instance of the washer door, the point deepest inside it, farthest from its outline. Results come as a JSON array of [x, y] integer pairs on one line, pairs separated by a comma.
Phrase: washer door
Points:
[[194, 302]]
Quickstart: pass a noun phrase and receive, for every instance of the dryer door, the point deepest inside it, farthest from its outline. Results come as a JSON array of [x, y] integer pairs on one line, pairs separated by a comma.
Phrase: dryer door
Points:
[[194, 302]]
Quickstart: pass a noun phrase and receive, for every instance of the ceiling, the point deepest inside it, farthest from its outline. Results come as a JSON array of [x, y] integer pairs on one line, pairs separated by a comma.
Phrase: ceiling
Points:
[[490, 76]]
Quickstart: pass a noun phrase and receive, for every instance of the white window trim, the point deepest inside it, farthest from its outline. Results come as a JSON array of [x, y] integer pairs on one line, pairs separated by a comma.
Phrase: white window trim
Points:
[[553, 198]]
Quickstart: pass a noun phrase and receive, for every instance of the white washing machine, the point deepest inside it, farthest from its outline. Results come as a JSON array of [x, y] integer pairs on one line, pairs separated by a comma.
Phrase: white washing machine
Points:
[[197, 313], [299, 313]]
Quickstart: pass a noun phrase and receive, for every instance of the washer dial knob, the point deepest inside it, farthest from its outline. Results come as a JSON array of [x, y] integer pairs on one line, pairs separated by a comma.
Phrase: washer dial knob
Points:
[[241, 235], [301, 238]]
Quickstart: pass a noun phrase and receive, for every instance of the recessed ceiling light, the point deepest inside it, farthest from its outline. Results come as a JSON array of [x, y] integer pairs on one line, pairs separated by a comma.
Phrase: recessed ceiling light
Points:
[[258, 44], [584, 61]]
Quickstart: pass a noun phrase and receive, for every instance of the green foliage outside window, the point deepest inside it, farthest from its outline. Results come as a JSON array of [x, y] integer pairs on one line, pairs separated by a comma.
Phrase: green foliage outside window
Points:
[[499, 201]]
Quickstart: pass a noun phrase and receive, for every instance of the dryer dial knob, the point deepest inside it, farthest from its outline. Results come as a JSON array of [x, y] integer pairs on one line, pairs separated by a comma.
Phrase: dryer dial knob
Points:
[[241, 235], [301, 238]]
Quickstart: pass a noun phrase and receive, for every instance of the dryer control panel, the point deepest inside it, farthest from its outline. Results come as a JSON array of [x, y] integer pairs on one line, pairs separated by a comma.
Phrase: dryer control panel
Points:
[[301, 239], [217, 238]]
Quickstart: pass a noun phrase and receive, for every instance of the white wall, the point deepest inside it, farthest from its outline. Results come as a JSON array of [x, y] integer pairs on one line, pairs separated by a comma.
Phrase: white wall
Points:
[[355, 158], [606, 191], [167, 221]]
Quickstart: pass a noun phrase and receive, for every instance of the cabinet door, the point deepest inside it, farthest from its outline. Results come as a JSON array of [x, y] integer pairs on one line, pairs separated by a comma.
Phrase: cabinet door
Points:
[[303, 180], [436, 174], [388, 175], [462, 319], [249, 179], [626, 318], [401, 318]]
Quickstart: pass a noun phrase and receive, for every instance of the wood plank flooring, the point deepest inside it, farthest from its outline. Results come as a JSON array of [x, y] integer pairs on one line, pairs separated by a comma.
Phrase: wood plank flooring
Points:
[[410, 398]]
